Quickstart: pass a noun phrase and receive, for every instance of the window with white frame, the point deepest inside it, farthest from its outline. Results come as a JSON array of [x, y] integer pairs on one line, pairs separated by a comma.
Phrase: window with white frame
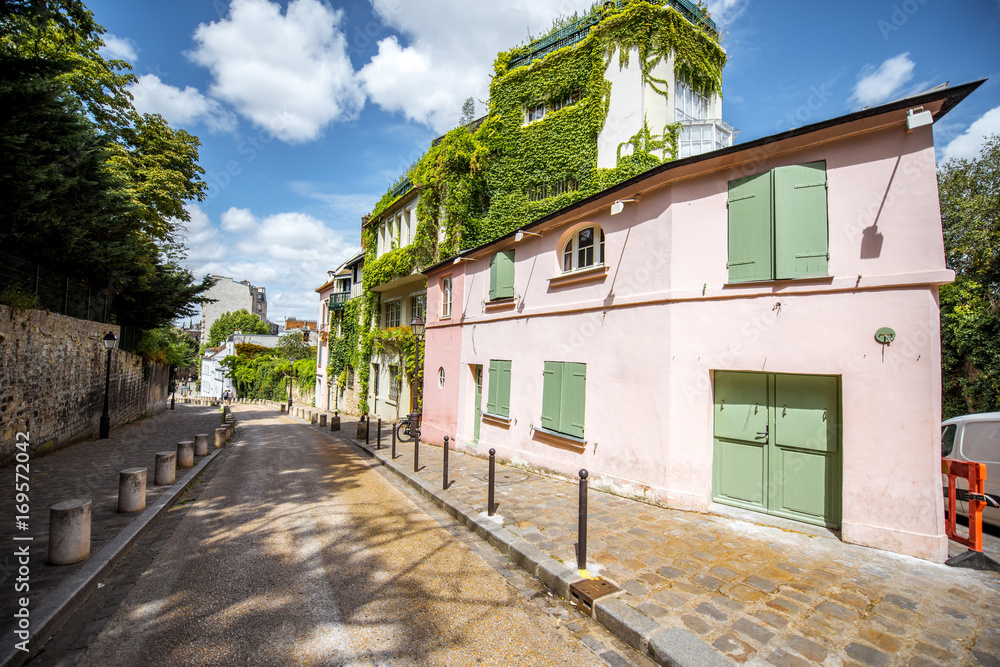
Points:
[[417, 307], [536, 112], [585, 248], [393, 314], [446, 297], [690, 105]]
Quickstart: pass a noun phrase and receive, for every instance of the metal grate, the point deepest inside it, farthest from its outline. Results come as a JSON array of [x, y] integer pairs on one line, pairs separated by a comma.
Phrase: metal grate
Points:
[[583, 593]]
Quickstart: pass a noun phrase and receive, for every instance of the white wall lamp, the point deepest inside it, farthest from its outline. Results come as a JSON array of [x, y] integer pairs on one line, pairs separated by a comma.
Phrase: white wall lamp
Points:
[[918, 117], [519, 236], [619, 205]]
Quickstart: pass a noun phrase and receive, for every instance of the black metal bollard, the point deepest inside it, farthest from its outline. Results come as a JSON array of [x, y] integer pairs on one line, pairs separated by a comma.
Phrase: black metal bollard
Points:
[[444, 480], [368, 423], [172, 397], [378, 435], [393, 453], [490, 507], [581, 546], [416, 450]]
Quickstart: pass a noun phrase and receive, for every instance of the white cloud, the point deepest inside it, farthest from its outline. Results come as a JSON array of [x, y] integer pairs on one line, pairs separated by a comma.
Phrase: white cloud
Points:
[[725, 12], [288, 253], [877, 85], [286, 72], [201, 239], [443, 61], [180, 107], [238, 220], [967, 145], [118, 48]]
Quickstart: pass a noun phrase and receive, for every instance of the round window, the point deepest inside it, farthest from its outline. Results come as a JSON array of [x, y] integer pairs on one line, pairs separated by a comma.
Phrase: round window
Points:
[[441, 377]]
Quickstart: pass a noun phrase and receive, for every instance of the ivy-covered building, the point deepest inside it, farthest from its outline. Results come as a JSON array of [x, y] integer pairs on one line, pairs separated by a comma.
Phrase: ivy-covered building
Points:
[[600, 99], [337, 348]]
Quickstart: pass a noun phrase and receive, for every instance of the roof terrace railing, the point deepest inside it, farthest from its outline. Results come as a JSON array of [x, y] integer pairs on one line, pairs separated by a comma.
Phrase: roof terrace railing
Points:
[[578, 30]]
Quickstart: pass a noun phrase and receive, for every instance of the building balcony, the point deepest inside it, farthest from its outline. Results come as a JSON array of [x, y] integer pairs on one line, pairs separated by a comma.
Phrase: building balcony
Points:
[[338, 299]]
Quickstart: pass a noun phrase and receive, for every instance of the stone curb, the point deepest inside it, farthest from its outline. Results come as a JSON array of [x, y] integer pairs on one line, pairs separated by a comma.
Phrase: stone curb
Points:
[[60, 604], [674, 647]]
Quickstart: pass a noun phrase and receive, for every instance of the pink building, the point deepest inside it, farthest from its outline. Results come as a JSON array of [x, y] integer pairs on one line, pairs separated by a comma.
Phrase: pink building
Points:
[[714, 335]]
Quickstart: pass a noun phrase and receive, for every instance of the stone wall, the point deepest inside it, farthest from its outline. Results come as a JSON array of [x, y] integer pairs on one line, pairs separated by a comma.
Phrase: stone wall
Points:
[[52, 371]]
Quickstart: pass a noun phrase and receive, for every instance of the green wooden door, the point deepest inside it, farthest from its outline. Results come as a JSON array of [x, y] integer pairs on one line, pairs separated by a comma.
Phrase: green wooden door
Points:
[[777, 445], [477, 371]]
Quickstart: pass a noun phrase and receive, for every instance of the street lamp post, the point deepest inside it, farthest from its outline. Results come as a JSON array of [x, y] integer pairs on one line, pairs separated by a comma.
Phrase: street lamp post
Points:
[[109, 344], [292, 362]]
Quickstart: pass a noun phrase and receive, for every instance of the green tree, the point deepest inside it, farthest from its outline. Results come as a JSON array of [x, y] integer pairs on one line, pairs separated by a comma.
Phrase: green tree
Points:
[[970, 307], [99, 189], [291, 345], [242, 320]]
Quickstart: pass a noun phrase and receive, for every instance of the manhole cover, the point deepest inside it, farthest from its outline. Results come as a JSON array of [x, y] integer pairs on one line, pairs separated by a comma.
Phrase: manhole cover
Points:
[[508, 478]]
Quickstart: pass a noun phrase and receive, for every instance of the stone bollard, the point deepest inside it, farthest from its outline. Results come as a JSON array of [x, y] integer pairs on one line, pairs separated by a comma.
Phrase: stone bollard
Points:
[[220, 437], [322, 421], [282, 408], [185, 453], [362, 429], [132, 490], [166, 468], [313, 417], [201, 444], [335, 423], [69, 532]]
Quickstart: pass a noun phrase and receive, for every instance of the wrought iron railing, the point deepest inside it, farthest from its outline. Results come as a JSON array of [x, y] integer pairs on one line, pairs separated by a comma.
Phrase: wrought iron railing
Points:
[[337, 300]]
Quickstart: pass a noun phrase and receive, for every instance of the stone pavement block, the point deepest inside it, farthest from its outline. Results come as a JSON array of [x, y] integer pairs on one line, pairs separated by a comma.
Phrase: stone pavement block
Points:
[[631, 626], [807, 648], [868, 655], [679, 648], [782, 659], [753, 630], [696, 624]]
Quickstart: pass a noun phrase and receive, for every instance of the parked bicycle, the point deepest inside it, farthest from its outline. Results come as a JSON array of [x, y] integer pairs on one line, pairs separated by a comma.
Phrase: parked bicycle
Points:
[[408, 427]]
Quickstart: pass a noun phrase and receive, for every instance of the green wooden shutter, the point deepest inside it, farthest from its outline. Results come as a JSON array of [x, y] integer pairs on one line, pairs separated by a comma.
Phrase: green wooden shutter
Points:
[[801, 248], [491, 396], [750, 240], [574, 399], [551, 393], [493, 277], [504, 275], [503, 391]]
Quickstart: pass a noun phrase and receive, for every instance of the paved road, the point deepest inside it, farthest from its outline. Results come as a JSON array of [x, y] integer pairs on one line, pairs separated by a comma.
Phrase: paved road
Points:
[[299, 552]]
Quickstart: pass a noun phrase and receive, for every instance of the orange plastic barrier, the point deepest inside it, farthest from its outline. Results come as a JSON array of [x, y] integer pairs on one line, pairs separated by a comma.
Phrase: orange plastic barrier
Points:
[[975, 473]]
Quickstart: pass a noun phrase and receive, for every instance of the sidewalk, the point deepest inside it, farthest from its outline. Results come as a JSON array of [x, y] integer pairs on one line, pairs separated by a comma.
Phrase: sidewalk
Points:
[[755, 594], [90, 470]]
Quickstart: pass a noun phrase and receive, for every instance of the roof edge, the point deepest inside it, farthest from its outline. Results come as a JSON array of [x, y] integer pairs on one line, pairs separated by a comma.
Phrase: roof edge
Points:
[[951, 97]]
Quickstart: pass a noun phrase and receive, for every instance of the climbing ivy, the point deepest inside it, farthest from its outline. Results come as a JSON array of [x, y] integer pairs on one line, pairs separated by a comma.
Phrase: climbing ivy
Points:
[[474, 182], [474, 185], [564, 142]]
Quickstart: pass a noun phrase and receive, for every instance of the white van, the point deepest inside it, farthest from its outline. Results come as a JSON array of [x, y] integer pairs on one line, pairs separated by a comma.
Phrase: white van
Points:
[[975, 438]]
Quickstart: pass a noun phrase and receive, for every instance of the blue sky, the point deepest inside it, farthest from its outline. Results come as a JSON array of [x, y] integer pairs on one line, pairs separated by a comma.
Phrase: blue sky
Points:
[[308, 110]]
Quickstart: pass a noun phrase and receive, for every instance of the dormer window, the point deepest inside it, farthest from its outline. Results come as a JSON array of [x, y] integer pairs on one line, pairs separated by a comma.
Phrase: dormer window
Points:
[[585, 248]]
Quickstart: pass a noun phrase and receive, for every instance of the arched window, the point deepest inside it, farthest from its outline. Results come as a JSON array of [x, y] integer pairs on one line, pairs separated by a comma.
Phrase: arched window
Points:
[[585, 248]]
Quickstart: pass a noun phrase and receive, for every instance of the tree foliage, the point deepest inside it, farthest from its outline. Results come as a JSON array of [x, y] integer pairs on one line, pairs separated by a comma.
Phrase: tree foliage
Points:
[[229, 322], [970, 307], [291, 345], [97, 189]]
